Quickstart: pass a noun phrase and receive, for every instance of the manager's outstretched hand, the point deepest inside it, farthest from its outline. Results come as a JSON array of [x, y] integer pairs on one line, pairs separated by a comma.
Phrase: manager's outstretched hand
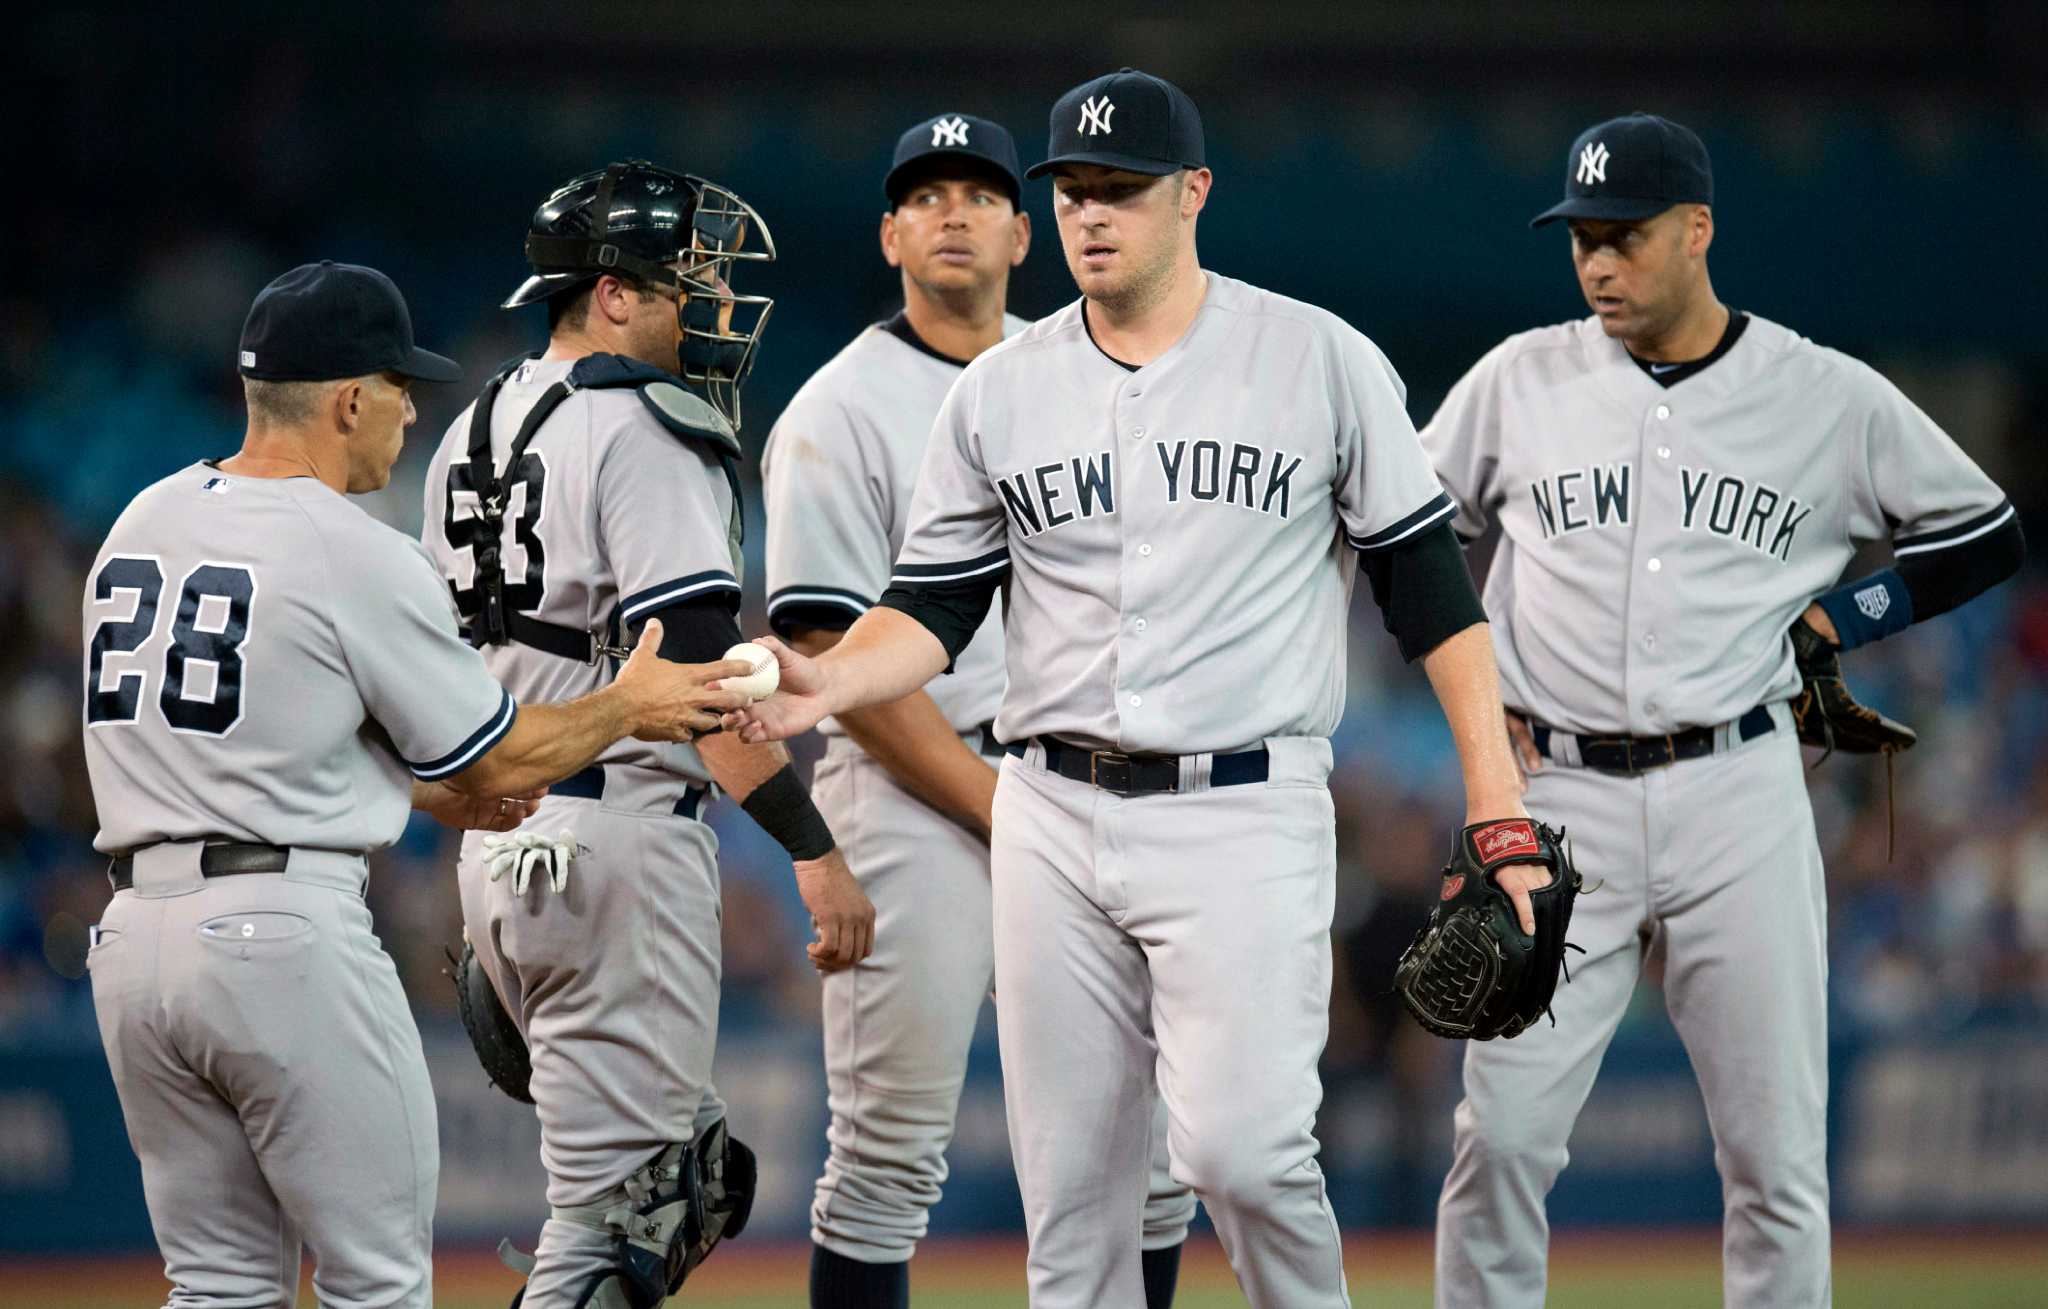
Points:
[[797, 705]]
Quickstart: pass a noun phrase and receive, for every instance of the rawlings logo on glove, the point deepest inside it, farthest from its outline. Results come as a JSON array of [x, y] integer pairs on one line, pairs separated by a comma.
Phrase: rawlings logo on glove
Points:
[[1470, 972]]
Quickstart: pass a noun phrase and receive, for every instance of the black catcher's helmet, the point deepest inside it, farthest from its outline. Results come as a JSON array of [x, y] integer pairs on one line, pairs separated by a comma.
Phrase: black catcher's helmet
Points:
[[667, 229]]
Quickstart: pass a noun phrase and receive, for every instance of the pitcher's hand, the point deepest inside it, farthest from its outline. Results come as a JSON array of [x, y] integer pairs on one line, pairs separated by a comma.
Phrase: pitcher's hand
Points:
[[797, 705]]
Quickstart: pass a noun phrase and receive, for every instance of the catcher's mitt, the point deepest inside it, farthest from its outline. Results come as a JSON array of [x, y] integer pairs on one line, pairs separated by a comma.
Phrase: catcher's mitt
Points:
[[499, 1046], [1826, 714], [1470, 972]]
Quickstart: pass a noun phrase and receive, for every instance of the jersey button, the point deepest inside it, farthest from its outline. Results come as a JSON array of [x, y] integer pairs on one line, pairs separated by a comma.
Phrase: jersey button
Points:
[[1663, 452], [1655, 565], [1145, 550], [1137, 701], [1140, 624], [1663, 411], [1650, 643], [1137, 432]]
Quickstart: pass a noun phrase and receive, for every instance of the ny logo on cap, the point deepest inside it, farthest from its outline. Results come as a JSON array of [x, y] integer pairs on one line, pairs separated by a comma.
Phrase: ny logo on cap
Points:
[[949, 131], [1095, 114], [1593, 164]]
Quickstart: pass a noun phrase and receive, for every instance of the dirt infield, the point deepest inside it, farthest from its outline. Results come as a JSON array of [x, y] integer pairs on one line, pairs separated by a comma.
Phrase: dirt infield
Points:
[[1874, 1268]]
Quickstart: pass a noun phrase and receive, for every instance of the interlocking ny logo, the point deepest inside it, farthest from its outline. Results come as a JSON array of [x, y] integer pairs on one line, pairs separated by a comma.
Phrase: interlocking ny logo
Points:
[[949, 131], [1593, 164], [1095, 114]]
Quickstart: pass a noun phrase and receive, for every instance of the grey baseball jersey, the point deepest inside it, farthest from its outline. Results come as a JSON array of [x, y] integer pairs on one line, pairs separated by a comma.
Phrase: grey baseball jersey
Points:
[[265, 662], [610, 518], [837, 475], [1174, 535], [1178, 545], [614, 982], [1657, 544]]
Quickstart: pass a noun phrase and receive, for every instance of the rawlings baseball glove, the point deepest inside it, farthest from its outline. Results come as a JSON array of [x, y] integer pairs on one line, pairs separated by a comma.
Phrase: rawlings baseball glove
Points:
[[1826, 714], [1470, 972]]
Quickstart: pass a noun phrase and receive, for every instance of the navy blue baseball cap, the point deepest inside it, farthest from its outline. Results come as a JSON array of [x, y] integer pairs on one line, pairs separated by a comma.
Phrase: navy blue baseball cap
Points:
[[327, 320], [924, 150], [1630, 168], [1128, 120]]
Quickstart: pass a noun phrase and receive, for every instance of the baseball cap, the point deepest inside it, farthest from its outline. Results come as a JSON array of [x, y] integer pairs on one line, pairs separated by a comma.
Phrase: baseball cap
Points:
[[953, 136], [327, 320], [1631, 167], [1128, 120]]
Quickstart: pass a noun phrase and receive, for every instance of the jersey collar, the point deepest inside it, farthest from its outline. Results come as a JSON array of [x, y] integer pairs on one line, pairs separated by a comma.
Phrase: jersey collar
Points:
[[899, 327]]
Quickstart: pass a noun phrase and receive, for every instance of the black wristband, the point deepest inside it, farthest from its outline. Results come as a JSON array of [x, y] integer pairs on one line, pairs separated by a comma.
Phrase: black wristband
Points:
[[784, 810]]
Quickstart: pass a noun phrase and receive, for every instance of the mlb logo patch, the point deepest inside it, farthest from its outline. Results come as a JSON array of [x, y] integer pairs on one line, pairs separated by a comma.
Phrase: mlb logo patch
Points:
[[217, 485], [1873, 600]]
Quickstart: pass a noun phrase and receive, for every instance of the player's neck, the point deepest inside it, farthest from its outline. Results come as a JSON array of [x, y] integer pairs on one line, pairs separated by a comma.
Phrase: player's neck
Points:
[[583, 342], [268, 453], [1698, 330], [959, 330], [1139, 333]]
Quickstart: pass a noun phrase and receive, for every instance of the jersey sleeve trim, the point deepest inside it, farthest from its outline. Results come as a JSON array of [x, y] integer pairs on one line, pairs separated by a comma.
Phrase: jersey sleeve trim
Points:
[[474, 747], [1982, 525], [835, 597], [1437, 510], [642, 603], [926, 574]]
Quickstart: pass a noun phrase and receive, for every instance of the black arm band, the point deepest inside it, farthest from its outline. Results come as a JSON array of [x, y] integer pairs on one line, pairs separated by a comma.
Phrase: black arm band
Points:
[[1940, 579], [697, 631], [1424, 590], [951, 611], [784, 810]]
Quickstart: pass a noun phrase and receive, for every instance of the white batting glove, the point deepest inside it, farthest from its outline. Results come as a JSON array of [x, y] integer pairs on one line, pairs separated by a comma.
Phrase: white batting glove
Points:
[[519, 853]]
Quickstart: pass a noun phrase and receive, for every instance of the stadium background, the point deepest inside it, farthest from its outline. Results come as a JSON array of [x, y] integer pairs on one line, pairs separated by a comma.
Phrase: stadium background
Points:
[[1882, 170]]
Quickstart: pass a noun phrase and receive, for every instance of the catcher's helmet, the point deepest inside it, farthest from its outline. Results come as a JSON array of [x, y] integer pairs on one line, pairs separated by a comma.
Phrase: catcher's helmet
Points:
[[666, 229]]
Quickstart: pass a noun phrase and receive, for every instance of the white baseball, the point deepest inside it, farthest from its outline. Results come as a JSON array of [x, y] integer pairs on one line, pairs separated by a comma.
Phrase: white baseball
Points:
[[767, 674]]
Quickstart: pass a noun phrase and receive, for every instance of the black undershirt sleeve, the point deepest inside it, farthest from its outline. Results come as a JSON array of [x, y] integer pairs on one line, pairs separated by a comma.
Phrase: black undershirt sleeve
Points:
[[1423, 589], [952, 611], [1939, 580], [697, 631]]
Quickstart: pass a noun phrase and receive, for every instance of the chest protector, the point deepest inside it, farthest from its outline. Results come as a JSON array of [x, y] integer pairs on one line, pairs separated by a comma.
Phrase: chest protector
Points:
[[686, 416]]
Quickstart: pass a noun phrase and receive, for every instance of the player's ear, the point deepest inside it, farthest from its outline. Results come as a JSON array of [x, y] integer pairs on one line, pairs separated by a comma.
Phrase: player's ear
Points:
[[346, 404], [1194, 191], [889, 251], [1702, 230], [611, 297], [1020, 237]]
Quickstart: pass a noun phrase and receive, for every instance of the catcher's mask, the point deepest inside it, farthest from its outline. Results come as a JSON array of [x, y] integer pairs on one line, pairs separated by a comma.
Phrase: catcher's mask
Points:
[[668, 230]]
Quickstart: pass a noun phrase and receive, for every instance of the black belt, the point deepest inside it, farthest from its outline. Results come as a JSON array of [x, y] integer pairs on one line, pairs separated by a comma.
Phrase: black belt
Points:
[[223, 860], [589, 785], [986, 744], [1635, 754], [1143, 774]]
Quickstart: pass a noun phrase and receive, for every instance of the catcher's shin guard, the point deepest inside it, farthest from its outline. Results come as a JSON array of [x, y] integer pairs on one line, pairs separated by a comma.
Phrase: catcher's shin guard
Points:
[[666, 1219]]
